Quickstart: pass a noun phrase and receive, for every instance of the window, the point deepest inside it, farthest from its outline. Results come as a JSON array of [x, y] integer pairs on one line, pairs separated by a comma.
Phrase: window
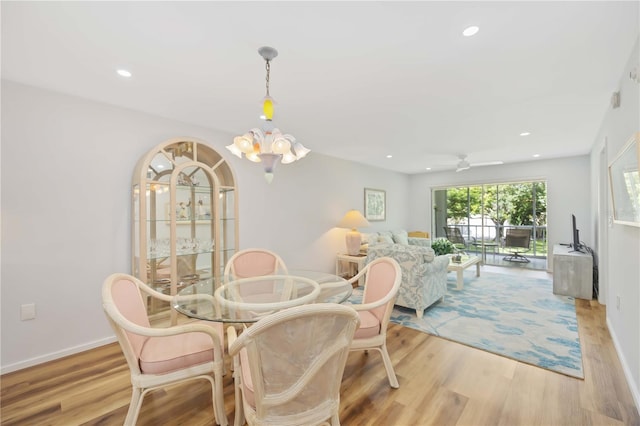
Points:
[[484, 212]]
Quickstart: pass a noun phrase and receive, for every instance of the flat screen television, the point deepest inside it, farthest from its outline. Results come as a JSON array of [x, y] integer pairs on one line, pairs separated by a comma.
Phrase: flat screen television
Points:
[[575, 246]]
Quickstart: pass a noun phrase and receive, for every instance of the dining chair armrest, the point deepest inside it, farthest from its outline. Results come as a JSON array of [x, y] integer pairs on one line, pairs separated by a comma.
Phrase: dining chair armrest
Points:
[[154, 293], [373, 305], [357, 276], [235, 343]]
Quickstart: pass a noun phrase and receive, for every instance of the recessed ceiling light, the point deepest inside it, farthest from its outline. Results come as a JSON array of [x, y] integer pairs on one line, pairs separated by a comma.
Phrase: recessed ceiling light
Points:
[[525, 133], [428, 168], [469, 31], [124, 73], [536, 155], [389, 156]]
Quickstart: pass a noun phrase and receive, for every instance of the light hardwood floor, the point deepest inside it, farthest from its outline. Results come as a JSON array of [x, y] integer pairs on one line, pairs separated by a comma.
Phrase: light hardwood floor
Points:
[[441, 383]]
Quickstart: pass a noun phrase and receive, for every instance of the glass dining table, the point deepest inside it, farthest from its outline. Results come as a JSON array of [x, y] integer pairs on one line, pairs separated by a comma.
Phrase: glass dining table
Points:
[[246, 300]]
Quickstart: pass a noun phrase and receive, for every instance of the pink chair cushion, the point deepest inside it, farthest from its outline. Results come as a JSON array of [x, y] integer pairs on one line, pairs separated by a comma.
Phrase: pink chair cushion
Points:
[[247, 383], [126, 296], [162, 355], [254, 264], [380, 281], [369, 325]]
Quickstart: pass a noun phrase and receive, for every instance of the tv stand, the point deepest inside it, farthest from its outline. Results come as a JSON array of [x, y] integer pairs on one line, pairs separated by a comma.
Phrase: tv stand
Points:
[[572, 273]]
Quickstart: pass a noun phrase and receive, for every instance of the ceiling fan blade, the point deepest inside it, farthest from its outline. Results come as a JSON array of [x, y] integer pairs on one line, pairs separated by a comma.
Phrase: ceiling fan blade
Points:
[[489, 163]]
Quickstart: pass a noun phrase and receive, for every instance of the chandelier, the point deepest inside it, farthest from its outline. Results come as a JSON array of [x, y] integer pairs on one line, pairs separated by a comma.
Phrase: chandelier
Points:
[[268, 145]]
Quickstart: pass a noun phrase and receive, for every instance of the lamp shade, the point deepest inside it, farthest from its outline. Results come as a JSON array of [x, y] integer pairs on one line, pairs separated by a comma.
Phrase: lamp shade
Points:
[[353, 220]]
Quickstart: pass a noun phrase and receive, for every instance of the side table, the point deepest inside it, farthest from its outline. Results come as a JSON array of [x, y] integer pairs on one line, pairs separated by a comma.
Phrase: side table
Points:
[[348, 266]]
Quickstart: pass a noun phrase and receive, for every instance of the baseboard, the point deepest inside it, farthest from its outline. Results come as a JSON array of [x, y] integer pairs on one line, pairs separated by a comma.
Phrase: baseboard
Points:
[[633, 386], [55, 355]]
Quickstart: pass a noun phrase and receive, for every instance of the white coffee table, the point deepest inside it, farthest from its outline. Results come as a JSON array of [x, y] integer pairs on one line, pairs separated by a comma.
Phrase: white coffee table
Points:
[[460, 267]]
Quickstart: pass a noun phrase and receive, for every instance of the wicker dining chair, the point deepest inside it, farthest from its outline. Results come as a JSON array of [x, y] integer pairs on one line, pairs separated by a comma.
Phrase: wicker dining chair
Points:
[[159, 357], [288, 366]]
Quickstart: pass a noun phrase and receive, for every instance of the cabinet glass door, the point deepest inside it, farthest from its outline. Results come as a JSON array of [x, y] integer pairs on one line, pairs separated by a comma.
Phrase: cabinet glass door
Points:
[[184, 209]]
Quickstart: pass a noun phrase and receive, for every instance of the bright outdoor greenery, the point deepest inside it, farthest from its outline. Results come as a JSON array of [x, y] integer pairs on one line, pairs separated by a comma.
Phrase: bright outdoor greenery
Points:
[[484, 212], [442, 246], [512, 203]]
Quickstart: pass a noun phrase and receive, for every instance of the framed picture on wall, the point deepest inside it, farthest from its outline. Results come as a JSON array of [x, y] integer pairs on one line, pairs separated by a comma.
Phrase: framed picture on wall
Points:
[[624, 178], [375, 204]]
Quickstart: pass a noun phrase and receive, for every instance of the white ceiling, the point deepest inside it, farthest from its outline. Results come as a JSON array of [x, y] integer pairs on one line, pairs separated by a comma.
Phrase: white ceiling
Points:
[[355, 80]]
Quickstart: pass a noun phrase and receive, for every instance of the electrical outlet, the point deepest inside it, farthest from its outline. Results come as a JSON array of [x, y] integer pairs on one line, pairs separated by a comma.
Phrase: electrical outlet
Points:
[[28, 311], [618, 302]]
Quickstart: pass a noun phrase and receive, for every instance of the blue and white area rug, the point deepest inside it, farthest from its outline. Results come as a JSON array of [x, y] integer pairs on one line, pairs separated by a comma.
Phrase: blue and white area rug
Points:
[[516, 317]]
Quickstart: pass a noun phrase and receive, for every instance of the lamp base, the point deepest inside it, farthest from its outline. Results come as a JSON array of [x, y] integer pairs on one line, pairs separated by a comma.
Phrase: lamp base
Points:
[[353, 240]]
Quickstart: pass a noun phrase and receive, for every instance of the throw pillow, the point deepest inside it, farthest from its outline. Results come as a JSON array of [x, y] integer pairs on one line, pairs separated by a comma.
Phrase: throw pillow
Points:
[[401, 237], [387, 239]]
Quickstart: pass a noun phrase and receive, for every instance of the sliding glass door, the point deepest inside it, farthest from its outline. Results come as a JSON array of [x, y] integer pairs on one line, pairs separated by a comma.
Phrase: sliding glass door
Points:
[[485, 213]]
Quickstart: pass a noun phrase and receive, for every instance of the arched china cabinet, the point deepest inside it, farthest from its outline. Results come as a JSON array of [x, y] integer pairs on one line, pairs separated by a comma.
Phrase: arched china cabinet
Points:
[[185, 215]]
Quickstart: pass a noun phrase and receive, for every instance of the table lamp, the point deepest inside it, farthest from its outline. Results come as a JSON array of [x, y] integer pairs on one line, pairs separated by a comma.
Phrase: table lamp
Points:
[[353, 220]]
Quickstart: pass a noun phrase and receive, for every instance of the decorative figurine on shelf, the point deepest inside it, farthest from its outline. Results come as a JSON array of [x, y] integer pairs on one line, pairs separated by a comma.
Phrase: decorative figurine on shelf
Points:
[[202, 210], [184, 180], [183, 213]]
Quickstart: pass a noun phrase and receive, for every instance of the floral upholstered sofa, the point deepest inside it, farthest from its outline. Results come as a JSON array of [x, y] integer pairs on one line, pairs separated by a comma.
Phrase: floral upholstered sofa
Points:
[[424, 275], [392, 237]]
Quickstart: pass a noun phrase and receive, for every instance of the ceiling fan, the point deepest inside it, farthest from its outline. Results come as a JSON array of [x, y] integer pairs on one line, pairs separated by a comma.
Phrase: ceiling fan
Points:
[[463, 164]]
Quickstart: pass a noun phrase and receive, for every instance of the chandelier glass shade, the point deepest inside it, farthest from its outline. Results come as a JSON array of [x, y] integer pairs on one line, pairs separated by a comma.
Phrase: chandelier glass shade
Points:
[[268, 145]]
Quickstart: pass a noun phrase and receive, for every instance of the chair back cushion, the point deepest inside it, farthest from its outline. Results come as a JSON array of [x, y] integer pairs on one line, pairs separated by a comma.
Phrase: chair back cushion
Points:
[[518, 238], [454, 235], [129, 301], [380, 280], [253, 264]]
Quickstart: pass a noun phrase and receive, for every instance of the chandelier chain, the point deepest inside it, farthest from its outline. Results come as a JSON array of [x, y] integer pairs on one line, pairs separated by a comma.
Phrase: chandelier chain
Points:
[[268, 68]]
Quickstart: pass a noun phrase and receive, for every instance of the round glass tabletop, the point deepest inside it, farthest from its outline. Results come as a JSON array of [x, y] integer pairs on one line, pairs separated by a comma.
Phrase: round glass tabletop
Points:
[[249, 299]]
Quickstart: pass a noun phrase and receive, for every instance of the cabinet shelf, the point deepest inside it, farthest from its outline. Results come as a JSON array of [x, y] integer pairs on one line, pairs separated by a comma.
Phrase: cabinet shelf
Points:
[[163, 257]]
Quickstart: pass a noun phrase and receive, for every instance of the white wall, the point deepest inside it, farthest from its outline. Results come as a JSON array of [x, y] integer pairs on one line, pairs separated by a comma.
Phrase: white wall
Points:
[[66, 171], [297, 213], [563, 176], [620, 267]]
